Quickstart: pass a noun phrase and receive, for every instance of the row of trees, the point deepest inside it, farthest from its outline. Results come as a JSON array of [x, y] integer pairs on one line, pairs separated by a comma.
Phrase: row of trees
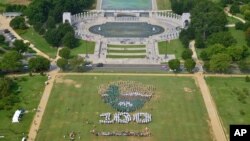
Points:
[[45, 15], [218, 58], [8, 97], [66, 62], [207, 18], [39, 11], [208, 30], [62, 35], [181, 6], [18, 23], [15, 8], [175, 64], [12, 62]]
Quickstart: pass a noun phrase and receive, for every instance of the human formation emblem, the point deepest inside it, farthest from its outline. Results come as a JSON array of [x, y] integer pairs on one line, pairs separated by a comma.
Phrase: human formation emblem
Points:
[[125, 97]]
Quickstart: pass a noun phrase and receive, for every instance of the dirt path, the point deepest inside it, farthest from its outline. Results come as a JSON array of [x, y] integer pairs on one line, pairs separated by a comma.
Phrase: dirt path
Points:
[[34, 129], [214, 118], [226, 10], [192, 47]]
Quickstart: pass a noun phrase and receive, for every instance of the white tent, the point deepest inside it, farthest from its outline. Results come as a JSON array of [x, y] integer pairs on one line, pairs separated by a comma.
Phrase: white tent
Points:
[[15, 118], [24, 139]]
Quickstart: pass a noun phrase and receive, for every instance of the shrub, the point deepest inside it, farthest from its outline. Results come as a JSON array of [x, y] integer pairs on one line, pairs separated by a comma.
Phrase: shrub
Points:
[[247, 78]]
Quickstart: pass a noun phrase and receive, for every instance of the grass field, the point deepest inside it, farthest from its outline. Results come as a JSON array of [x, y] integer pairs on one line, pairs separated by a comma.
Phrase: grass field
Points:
[[24, 2], [126, 46], [31, 91], [125, 56], [39, 42], [75, 105], [239, 36], [232, 20], [83, 48], [226, 95], [174, 47], [163, 4], [126, 51]]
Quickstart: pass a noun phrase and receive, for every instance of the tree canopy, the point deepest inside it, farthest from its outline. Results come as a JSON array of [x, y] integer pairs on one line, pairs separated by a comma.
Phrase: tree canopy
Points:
[[20, 46], [62, 63], [248, 36], [181, 6], [212, 50], [224, 38], [2, 39], [189, 64], [5, 85], [69, 40], [187, 54], [18, 23], [41, 10], [220, 62], [39, 64], [174, 64], [10, 61], [64, 53], [57, 36], [207, 18]]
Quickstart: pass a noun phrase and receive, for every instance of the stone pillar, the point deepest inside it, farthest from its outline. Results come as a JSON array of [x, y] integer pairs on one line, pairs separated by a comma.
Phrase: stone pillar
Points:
[[67, 17]]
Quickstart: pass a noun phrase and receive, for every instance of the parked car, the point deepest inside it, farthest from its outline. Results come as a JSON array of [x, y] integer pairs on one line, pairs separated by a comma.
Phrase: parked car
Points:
[[99, 65]]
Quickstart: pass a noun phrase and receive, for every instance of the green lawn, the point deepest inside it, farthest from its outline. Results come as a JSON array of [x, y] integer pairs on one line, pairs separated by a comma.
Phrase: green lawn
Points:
[[126, 46], [75, 105], [31, 92], [1, 53], [215, 1], [83, 48], [23, 2], [240, 15], [232, 20], [163, 4], [239, 35], [174, 47], [126, 51], [225, 92], [39, 42], [3, 1], [125, 56]]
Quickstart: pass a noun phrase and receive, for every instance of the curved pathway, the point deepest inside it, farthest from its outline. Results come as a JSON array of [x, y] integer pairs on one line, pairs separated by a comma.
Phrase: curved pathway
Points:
[[227, 9]]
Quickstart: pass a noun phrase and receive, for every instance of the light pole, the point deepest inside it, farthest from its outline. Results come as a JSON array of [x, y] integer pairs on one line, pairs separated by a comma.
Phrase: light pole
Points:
[[86, 47], [166, 56]]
